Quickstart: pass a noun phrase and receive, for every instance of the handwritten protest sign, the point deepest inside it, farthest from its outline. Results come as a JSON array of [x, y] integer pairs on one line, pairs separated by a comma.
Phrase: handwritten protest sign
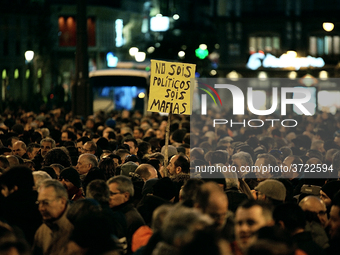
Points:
[[170, 88]]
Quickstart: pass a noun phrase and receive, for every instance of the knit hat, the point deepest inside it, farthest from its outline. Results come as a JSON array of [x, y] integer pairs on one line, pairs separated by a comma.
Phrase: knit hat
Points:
[[330, 188], [71, 175], [273, 189], [128, 167], [171, 150]]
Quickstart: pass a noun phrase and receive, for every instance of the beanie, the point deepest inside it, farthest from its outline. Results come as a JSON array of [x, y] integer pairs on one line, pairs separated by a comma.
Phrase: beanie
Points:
[[71, 175]]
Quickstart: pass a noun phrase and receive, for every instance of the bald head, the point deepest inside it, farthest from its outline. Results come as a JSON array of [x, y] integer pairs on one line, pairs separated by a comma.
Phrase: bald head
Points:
[[146, 172], [19, 148], [12, 160], [213, 201], [315, 205]]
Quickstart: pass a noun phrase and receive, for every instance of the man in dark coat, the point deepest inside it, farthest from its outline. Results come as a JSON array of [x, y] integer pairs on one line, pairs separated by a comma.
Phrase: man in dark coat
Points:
[[121, 191], [88, 170], [18, 207]]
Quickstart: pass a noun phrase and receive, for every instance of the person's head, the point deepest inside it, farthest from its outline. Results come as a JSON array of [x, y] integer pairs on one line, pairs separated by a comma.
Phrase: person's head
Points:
[[263, 162], [132, 144], [32, 150], [57, 168], [318, 145], [122, 153], [16, 178], [180, 224], [86, 162], [58, 155], [146, 172], [46, 144], [216, 157], [336, 161], [39, 177], [107, 165], [290, 217], [52, 199], [69, 177], [68, 135], [144, 148], [178, 164], [4, 164], [211, 200], [328, 191], [12, 160], [158, 216], [249, 217], [337, 138], [289, 162], [89, 147], [334, 219], [121, 190], [242, 159], [19, 148], [315, 205], [138, 133], [189, 190], [272, 191], [98, 190]]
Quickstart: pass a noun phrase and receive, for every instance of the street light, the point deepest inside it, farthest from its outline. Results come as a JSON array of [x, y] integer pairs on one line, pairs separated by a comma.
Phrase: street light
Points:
[[140, 56], [29, 55], [133, 51], [328, 26]]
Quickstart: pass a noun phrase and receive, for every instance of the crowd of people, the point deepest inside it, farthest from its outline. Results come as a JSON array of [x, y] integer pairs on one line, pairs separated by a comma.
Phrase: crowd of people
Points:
[[102, 185]]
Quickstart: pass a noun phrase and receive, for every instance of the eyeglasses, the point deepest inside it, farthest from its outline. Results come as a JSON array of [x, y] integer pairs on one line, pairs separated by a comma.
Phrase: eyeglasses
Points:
[[321, 213], [45, 202], [83, 149]]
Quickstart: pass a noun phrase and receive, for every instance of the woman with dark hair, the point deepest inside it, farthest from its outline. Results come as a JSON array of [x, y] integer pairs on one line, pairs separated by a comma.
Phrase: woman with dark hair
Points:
[[107, 166], [58, 155]]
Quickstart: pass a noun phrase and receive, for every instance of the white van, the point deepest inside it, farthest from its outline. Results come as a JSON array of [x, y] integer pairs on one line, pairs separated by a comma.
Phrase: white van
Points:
[[118, 89]]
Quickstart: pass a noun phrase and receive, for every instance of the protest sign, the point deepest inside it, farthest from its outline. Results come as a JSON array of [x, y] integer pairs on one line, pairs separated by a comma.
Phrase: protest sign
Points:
[[170, 87]]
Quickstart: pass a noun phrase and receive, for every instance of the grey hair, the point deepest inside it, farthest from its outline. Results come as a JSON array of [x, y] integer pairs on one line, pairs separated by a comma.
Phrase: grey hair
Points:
[[39, 177], [92, 159], [59, 189], [245, 157], [48, 140], [98, 190], [181, 221], [158, 216], [124, 184]]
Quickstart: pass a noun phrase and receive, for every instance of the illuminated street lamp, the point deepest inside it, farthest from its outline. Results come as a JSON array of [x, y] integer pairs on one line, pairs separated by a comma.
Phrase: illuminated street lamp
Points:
[[133, 51], [328, 26], [140, 56], [29, 55]]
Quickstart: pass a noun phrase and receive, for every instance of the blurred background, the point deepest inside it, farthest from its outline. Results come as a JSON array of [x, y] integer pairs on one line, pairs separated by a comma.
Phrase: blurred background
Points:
[[48, 48]]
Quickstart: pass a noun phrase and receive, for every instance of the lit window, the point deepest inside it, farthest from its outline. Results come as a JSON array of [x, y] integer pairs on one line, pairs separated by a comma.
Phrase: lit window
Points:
[[264, 43], [324, 45]]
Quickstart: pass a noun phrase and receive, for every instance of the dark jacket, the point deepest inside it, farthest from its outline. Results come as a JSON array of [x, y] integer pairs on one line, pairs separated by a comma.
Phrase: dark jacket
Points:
[[304, 241], [19, 209], [133, 219], [94, 174]]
